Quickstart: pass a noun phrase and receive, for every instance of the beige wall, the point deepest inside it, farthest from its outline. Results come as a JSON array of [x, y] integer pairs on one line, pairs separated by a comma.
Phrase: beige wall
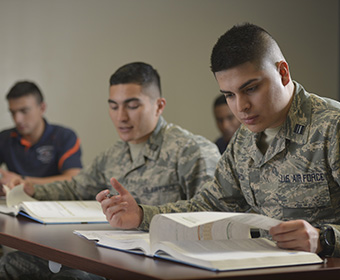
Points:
[[71, 47]]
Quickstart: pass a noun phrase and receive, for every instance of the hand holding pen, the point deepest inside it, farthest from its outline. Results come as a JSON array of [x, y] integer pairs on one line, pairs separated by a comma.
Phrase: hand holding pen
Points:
[[121, 210]]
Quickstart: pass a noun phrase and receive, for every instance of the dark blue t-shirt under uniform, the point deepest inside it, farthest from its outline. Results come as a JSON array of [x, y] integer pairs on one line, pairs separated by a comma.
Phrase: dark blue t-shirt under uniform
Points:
[[221, 144], [57, 150]]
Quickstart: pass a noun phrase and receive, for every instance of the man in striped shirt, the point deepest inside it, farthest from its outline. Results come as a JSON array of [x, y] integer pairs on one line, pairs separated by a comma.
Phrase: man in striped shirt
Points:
[[35, 150]]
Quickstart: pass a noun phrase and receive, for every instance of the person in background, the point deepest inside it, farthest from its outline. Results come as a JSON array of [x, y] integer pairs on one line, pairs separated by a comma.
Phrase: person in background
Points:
[[226, 122], [283, 162], [34, 150], [158, 162]]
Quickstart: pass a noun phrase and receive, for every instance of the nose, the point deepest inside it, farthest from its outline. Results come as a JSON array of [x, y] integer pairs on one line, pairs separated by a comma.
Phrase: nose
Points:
[[17, 117], [122, 114], [243, 103]]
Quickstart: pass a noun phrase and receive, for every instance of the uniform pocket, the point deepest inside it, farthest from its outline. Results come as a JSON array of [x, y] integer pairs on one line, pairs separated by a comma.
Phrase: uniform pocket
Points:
[[161, 194], [305, 201]]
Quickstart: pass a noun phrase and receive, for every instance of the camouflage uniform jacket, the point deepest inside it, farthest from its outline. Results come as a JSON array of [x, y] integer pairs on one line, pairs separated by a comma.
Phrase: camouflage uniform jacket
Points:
[[297, 178], [172, 166]]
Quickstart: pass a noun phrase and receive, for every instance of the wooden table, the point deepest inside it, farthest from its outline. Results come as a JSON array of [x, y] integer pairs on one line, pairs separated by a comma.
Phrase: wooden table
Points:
[[58, 243]]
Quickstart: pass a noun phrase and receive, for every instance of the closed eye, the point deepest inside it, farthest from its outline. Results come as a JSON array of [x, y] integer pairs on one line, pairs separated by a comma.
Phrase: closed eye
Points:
[[133, 106], [251, 89], [228, 95]]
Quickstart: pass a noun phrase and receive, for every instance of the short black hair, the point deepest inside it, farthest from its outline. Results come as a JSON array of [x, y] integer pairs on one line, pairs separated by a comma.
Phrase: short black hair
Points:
[[25, 88], [240, 44], [220, 100], [139, 73]]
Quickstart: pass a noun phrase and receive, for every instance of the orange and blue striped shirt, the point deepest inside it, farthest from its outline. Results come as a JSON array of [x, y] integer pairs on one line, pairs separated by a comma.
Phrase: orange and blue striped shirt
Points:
[[56, 151]]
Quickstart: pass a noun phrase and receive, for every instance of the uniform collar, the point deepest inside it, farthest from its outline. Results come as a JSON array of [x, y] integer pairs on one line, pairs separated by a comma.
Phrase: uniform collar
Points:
[[153, 145], [295, 128], [297, 125]]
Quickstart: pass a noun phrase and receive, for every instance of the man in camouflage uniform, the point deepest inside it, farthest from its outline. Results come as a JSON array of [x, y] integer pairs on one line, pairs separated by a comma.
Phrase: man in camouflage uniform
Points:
[[156, 161], [283, 162]]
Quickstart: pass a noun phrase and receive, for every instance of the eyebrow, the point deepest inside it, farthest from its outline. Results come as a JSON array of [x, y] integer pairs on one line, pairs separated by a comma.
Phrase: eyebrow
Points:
[[19, 110], [125, 101], [241, 87]]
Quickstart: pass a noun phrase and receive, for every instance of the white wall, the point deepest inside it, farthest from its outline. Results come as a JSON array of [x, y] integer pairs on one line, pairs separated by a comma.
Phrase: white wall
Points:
[[71, 47]]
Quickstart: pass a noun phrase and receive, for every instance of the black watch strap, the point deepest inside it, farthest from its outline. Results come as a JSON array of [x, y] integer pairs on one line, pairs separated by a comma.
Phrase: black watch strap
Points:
[[327, 240]]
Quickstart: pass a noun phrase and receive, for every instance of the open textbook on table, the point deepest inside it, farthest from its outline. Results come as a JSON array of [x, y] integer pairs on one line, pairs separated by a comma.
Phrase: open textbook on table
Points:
[[211, 240], [17, 202]]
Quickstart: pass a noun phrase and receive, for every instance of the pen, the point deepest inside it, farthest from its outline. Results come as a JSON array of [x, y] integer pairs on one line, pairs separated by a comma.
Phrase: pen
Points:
[[109, 195]]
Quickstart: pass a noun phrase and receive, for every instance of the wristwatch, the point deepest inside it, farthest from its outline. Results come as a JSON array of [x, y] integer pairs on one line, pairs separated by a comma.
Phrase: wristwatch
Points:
[[327, 241]]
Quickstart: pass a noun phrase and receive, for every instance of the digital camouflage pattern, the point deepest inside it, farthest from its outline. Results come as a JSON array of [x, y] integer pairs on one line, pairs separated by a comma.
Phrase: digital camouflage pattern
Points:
[[172, 166], [22, 266], [297, 178]]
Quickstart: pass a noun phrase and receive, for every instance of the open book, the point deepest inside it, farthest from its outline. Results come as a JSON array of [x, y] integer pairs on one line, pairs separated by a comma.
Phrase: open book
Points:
[[211, 240], [51, 212]]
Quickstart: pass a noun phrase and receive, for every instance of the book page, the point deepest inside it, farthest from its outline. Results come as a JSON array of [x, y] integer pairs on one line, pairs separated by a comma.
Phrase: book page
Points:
[[206, 225], [194, 219], [127, 240], [64, 211], [256, 220], [8, 210], [16, 195], [13, 198], [232, 254]]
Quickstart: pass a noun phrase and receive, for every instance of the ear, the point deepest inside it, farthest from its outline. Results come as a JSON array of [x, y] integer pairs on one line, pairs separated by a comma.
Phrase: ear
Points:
[[43, 106], [161, 102], [284, 72]]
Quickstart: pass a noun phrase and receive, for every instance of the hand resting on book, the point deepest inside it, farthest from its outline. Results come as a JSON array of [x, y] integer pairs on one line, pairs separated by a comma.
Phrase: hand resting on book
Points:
[[297, 235], [122, 211]]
